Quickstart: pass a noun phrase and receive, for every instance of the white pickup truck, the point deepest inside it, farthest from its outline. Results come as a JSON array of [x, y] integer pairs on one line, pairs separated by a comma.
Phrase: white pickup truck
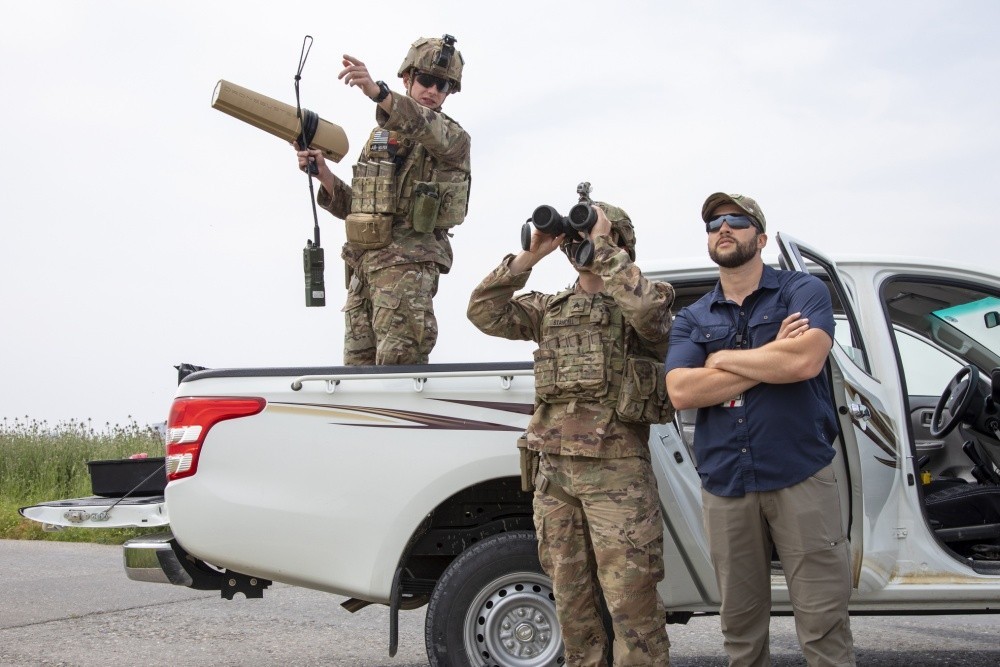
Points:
[[399, 485]]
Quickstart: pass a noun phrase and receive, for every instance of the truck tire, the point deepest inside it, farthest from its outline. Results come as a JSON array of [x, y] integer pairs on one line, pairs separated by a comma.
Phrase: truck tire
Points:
[[494, 607]]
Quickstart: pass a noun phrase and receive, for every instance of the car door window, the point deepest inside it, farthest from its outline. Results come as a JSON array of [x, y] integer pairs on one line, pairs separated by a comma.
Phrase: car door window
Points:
[[845, 337]]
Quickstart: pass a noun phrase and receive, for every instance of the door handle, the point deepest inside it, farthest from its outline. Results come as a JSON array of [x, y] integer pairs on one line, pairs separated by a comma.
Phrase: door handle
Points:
[[859, 411]]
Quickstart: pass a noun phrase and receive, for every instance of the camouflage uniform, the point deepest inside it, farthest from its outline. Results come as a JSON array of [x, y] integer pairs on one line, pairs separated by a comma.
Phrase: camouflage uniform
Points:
[[389, 314], [614, 541]]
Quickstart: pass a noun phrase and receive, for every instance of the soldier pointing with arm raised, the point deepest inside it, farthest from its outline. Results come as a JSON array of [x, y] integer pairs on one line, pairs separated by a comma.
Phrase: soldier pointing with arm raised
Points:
[[409, 188]]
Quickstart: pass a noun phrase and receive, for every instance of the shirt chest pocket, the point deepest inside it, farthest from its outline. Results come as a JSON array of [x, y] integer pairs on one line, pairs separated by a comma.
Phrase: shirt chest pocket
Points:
[[713, 337], [765, 323]]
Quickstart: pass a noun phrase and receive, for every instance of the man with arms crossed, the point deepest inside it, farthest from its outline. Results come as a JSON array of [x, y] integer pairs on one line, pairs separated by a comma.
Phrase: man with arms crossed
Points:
[[750, 356]]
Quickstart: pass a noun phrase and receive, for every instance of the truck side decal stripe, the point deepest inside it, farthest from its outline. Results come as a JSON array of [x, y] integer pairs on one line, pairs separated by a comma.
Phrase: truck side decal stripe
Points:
[[520, 408], [397, 418]]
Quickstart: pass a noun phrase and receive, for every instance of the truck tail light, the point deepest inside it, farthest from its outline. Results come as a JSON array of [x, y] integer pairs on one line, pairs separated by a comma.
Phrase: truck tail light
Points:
[[189, 423]]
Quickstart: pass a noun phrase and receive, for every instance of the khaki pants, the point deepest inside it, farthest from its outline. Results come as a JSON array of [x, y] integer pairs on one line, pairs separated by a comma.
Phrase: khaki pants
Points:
[[389, 315], [614, 544], [803, 523]]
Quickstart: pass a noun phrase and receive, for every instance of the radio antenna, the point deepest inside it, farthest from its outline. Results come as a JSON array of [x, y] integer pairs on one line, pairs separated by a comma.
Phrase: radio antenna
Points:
[[312, 255]]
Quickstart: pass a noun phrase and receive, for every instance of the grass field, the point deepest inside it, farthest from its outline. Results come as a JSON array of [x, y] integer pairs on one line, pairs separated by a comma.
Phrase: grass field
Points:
[[41, 461]]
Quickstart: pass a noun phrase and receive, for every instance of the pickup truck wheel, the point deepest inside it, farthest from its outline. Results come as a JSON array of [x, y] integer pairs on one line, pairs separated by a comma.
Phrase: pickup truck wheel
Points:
[[494, 607]]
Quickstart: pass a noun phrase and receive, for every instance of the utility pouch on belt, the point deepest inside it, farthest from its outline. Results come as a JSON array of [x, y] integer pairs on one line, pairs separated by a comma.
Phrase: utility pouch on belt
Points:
[[529, 464], [643, 397], [369, 231]]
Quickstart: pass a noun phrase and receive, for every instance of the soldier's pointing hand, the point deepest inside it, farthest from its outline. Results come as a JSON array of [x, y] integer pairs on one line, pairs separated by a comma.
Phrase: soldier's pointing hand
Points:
[[355, 73]]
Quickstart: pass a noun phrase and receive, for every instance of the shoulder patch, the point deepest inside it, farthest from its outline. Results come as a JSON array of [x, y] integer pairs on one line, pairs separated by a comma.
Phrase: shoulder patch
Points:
[[379, 140], [383, 144]]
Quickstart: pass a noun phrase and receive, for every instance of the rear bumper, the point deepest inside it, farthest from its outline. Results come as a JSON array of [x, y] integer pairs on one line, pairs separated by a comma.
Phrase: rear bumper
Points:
[[160, 559], [152, 558]]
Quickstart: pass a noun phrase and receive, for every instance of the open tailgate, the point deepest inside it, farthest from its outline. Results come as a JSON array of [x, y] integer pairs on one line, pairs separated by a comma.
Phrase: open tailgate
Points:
[[99, 512]]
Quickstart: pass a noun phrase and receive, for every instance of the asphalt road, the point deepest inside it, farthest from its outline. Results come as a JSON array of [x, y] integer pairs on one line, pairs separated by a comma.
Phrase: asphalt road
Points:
[[71, 605]]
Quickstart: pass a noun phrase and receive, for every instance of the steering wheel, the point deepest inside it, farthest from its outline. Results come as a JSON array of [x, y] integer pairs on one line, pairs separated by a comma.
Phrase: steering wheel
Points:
[[954, 402]]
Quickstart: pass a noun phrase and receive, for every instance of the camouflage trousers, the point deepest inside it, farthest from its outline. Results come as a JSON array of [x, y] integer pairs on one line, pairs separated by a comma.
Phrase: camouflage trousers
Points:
[[389, 315], [612, 544]]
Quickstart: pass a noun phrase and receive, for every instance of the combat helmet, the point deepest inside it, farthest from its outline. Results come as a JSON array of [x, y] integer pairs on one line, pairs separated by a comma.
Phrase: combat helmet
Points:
[[621, 224], [436, 56]]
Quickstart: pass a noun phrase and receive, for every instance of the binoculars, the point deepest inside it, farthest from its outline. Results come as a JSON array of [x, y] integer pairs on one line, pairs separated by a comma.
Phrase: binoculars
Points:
[[576, 226]]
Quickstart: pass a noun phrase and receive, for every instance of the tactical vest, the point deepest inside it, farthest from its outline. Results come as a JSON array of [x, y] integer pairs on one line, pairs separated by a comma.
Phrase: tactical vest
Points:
[[398, 179], [589, 353]]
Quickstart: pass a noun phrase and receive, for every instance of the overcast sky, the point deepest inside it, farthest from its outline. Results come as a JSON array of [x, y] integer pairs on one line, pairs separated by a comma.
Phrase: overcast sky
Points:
[[142, 228]]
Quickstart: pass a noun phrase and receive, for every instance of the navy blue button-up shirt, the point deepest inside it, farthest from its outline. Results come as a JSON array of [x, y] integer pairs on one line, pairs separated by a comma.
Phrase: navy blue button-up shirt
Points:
[[778, 434]]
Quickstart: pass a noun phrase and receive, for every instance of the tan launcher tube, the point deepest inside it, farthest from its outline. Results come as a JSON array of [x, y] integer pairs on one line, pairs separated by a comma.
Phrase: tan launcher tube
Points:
[[277, 118]]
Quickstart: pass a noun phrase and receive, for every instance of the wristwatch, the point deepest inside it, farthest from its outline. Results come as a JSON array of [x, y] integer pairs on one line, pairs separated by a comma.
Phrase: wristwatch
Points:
[[383, 92]]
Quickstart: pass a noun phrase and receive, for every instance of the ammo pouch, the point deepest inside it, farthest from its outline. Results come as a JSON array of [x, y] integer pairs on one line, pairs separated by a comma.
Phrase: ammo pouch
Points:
[[571, 372], [529, 464], [373, 188], [373, 203], [438, 204], [369, 231], [643, 396], [426, 204]]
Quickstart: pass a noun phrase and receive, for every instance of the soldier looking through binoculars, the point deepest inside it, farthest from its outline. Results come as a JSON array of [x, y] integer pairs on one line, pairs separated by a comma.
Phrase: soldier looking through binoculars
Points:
[[585, 455]]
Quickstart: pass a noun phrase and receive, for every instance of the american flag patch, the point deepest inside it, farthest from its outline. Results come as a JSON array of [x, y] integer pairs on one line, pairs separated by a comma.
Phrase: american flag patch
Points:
[[380, 137]]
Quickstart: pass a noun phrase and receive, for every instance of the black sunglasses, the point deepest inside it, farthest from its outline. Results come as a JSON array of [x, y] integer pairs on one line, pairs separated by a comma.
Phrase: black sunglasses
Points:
[[734, 222], [430, 81]]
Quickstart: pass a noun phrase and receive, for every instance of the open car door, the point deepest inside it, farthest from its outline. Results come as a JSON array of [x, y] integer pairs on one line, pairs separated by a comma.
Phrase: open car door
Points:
[[867, 449]]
